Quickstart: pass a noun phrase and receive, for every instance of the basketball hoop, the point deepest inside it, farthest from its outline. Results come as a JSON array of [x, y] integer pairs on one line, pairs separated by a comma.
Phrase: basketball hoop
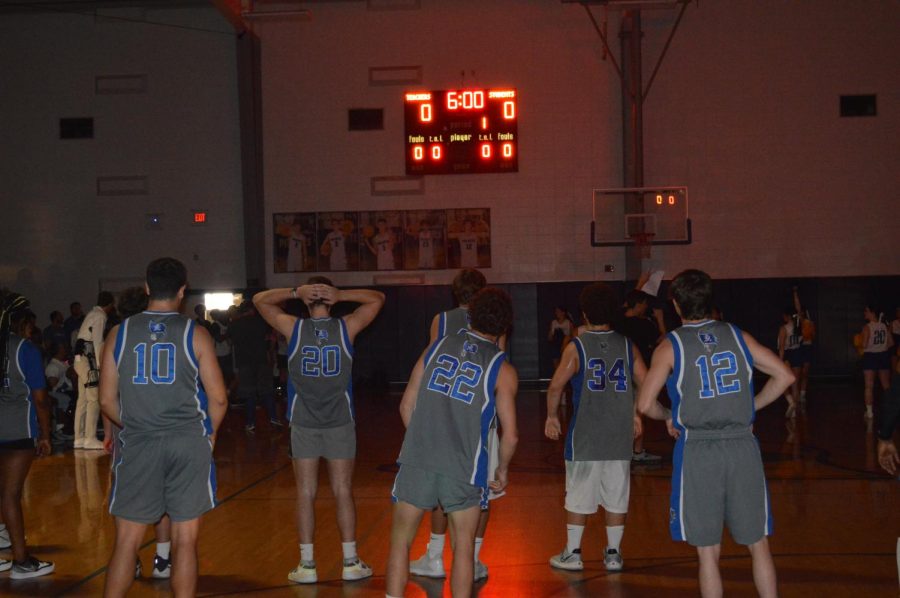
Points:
[[643, 242]]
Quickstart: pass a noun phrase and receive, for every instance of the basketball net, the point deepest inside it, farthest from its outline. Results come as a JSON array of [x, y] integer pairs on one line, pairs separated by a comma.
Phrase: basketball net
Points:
[[643, 243]]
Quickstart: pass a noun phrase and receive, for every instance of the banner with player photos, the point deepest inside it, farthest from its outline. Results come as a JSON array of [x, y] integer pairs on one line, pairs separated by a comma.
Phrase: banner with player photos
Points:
[[382, 240]]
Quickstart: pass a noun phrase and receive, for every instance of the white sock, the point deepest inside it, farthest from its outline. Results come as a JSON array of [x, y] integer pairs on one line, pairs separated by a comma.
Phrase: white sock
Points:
[[306, 552], [478, 542], [614, 536], [436, 546], [162, 549], [573, 537], [868, 410], [349, 549]]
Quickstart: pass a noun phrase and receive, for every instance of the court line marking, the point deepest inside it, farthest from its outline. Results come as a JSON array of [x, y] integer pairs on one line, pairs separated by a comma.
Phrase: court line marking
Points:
[[235, 494]]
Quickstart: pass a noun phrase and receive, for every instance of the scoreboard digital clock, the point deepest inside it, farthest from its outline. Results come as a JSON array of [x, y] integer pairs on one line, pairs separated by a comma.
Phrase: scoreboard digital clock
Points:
[[465, 131]]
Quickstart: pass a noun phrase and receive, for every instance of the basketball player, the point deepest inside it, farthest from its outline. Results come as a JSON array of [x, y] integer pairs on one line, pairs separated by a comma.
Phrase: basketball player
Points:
[[876, 359], [808, 335], [334, 247], [644, 334], [457, 387], [431, 564], [426, 245], [382, 246], [160, 382], [605, 365], [718, 473], [789, 352], [296, 255], [320, 407], [24, 428]]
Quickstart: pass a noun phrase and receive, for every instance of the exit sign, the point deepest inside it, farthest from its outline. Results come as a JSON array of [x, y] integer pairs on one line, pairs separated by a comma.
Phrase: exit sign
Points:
[[198, 217]]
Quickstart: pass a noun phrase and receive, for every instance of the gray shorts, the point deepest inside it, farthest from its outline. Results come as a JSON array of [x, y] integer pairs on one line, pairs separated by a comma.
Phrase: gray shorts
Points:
[[426, 490], [718, 481], [154, 475], [330, 443]]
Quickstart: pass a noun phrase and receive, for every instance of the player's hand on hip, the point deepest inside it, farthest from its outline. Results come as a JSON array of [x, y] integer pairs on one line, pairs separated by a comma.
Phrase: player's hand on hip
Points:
[[500, 481], [887, 456], [552, 428], [673, 431], [43, 447]]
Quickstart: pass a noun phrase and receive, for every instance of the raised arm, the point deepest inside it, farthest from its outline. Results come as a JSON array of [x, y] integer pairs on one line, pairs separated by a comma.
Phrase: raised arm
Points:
[[211, 376], [505, 393], [768, 363], [109, 380], [370, 301], [568, 367], [796, 296], [268, 304]]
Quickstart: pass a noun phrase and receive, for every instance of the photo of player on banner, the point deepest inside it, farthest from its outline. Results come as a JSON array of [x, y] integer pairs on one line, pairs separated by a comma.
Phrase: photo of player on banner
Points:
[[382, 233], [425, 245], [469, 232], [337, 241], [294, 238]]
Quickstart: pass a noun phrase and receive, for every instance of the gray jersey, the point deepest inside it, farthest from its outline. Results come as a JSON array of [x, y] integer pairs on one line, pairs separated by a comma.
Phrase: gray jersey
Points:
[[159, 376], [453, 321], [320, 364], [602, 425], [711, 385], [18, 416], [454, 409]]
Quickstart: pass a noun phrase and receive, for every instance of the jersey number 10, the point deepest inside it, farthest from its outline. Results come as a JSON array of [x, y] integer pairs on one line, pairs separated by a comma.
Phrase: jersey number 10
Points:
[[162, 364]]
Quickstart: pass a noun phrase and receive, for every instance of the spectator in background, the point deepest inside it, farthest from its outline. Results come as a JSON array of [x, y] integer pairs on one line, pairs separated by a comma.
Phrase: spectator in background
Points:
[[73, 322], [88, 408], [61, 380], [55, 333], [253, 361], [200, 312], [219, 331]]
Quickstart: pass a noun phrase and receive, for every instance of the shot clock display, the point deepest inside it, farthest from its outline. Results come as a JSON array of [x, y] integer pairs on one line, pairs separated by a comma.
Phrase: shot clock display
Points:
[[465, 131]]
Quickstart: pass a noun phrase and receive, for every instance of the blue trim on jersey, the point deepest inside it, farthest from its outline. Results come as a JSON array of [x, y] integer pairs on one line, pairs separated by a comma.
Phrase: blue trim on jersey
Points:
[[487, 416], [739, 335], [295, 338], [442, 324], [672, 382], [629, 356], [115, 483], [199, 391], [189, 344], [212, 482], [293, 344], [346, 336], [577, 387], [675, 513], [431, 350], [120, 342], [350, 400]]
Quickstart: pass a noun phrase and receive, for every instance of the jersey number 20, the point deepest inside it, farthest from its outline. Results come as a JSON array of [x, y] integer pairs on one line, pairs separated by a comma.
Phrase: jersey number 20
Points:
[[325, 361], [162, 363]]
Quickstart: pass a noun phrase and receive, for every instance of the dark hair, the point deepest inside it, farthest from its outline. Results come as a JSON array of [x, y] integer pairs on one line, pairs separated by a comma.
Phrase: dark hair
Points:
[[466, 284], [13, 311], [105, 298], [319, 280], [635, 296], [692, 291], [165, 276], [73, 304], [598, 303], [132, 300], [490, 310], [53, 313]]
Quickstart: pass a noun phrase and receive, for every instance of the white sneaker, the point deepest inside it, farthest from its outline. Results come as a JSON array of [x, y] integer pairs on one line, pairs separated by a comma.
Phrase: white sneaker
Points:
[[480, 571], [32, 567], [162, 568], [92, 445], [5, 565], [4, 541], [305, 572], [645, 457], [79, 443], [428, 567], [355, 569], [613, 560], [570, 561]]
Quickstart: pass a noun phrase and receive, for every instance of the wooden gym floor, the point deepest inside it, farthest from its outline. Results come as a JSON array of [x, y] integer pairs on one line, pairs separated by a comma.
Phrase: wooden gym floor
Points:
[[837, 518]]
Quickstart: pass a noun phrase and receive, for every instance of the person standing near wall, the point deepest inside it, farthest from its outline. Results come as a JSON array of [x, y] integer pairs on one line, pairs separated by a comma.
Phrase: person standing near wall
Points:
[[320, 407], [789, 339], [876, 358], [87, 355], [808, 335]]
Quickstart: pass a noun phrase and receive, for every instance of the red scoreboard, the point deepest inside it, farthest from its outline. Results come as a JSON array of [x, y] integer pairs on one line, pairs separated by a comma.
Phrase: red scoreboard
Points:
[[464, 131]]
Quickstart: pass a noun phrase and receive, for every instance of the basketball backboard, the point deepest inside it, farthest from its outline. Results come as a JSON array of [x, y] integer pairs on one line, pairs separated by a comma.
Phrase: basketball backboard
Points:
[[624, 215]]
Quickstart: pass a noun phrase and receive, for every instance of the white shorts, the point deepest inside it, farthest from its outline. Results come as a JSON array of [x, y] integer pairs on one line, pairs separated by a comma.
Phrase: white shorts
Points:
[[593, 483], [493, 461]]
